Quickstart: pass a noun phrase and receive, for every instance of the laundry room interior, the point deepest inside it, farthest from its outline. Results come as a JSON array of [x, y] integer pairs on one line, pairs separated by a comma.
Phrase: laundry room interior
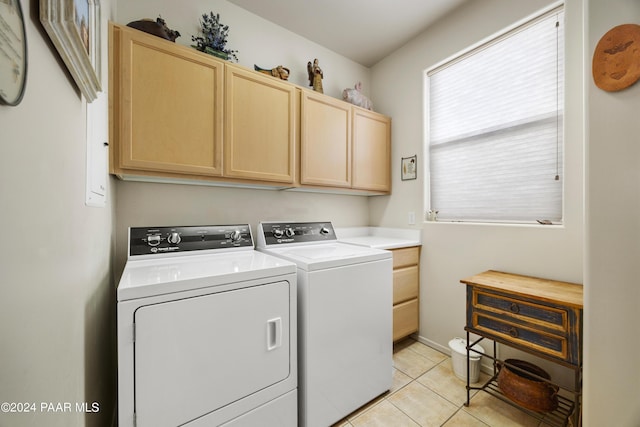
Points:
[[65, 248]]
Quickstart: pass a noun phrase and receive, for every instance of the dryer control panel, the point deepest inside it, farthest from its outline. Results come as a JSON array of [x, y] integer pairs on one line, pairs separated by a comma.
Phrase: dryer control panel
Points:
[[276, 233], [165, 240]]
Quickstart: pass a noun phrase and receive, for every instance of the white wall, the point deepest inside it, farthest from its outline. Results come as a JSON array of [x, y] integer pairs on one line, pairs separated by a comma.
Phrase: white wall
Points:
[[146, 204], [452, 251], [612, 373], [609, 167], [56, 295], [257, 41], [267, 45]]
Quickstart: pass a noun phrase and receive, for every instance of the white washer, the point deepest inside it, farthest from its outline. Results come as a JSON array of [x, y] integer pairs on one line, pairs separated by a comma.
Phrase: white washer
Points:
[[206, 330], [344, 318]]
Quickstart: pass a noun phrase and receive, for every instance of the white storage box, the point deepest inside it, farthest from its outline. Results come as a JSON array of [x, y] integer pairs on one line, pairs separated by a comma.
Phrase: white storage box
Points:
[[458, 348]]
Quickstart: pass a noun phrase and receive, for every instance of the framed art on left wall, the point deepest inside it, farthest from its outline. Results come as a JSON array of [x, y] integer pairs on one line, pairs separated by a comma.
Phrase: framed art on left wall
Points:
[[13, 53], [73, 26]]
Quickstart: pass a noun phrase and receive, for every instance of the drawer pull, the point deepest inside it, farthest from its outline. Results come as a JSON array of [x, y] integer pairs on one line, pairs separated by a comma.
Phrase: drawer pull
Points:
[[514, 308], [513, 332]]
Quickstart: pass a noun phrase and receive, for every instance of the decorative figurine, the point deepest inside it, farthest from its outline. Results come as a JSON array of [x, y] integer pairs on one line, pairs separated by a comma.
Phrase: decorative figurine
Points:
[[315, 75], [356, 97], [157, 28], [280, 72], [214, 38]]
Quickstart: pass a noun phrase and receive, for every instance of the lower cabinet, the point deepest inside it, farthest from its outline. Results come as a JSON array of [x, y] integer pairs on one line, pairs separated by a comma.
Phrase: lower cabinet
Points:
[[406, 288]]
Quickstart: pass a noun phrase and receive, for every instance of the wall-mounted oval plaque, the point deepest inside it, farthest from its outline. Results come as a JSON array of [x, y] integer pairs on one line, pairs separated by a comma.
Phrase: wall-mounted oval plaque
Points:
[[616, 60], [13, 52]]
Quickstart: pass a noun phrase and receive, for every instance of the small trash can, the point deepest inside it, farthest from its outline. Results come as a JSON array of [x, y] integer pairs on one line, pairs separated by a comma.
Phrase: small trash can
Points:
[[458, 348]]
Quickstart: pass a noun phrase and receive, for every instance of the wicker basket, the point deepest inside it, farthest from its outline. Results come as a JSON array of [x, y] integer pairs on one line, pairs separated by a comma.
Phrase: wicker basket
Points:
[[527, 390]]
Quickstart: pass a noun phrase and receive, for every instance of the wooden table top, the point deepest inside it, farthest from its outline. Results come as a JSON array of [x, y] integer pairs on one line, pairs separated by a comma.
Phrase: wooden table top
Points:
[[553, 291]]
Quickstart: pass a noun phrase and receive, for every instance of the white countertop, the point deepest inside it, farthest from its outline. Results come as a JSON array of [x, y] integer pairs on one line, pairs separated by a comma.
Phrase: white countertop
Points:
[[380, 237]]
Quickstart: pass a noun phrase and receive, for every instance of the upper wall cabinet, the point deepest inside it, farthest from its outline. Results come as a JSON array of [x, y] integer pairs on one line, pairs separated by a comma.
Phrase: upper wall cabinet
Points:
[[260, 127], [178, 114], [342, 145], [167, 103], [325, 141], [371, 151]]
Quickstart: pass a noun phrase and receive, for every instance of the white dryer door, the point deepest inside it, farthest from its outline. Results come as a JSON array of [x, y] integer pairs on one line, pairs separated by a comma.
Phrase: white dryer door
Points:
[[196, 355]]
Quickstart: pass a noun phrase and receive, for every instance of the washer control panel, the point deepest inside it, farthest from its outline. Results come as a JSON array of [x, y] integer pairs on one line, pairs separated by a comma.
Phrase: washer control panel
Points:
[[296, 232], [164, 240]]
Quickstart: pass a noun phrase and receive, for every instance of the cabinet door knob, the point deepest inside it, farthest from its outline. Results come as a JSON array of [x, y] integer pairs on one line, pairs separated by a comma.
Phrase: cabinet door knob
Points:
[[514, 308], [513, 332]]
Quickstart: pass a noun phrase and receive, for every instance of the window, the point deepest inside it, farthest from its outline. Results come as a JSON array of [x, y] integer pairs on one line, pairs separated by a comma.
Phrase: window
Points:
[[495, 127]]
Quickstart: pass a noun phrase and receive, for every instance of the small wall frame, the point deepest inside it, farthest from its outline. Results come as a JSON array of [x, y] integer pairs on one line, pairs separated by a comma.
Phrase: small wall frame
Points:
[[409, 168]]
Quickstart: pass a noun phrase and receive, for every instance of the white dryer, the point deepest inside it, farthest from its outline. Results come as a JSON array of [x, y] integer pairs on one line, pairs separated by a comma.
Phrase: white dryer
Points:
[[206, 330], [344, 318]]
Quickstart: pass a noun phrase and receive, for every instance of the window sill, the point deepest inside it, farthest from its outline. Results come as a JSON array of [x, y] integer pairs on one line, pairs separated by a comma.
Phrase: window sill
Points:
[[554, 226]]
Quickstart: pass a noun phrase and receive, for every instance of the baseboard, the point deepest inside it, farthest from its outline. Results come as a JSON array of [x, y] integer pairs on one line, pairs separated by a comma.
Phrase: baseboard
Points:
[[486, 365], [434, 345]]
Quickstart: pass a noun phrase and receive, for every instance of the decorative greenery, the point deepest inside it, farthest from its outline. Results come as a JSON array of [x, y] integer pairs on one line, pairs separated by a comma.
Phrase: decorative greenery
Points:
[[214, 37]]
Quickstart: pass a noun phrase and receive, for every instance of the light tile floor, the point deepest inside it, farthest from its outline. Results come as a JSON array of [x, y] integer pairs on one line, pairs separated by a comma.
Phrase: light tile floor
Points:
[[426, 393]]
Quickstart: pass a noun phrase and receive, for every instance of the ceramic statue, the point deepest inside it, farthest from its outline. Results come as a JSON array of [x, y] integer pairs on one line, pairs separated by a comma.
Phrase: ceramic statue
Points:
[[279, 71], [356, 97], [315, 75]]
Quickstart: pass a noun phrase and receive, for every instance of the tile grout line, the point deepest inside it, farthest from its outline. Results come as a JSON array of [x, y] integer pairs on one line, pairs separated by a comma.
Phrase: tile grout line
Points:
[[436, 363], [447, 358], [350, 421], [399, 409]]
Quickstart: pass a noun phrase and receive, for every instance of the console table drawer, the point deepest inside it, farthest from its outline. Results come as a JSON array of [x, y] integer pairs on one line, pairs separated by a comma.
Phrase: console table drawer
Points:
[[529, 312], [522, 336]]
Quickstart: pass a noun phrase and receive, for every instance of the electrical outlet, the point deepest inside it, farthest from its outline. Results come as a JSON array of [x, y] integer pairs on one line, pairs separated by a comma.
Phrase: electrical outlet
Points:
[[412, 218]]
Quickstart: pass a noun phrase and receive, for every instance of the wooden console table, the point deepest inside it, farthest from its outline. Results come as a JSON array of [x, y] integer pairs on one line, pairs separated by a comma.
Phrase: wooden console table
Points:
[[538, 316]]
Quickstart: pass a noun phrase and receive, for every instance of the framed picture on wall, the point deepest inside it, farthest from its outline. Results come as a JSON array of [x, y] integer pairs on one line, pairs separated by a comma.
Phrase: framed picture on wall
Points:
[[13, 53], [409, 167], [73, 26]]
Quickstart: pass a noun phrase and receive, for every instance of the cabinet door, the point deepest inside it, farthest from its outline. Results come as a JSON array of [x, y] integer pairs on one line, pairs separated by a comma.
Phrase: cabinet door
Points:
[[167, 106], [371, 151], [260, 127], [325, 141]]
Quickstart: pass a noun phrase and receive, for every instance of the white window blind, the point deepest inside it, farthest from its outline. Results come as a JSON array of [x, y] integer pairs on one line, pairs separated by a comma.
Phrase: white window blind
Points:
[[495, 128]]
